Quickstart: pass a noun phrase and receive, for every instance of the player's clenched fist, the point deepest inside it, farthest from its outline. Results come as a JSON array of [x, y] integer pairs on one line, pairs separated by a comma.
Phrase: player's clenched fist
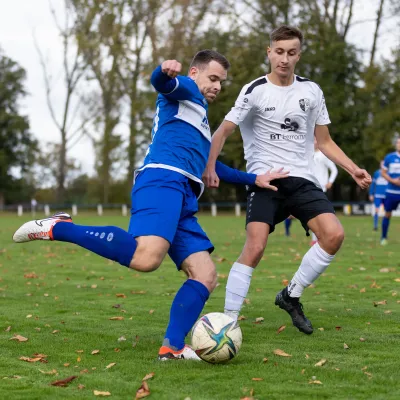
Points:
[[171, 67]]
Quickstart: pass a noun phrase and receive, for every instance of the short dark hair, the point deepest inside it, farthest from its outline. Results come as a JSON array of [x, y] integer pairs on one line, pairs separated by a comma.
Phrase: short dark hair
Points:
[[286, 32], [204, 57]]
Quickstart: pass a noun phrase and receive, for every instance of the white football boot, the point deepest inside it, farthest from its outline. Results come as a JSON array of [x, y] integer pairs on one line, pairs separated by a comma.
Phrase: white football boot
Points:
[[39, 229], [187, 353]]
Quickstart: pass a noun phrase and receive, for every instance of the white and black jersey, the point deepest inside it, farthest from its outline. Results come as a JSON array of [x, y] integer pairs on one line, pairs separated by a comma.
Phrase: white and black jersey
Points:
[[277, 124]]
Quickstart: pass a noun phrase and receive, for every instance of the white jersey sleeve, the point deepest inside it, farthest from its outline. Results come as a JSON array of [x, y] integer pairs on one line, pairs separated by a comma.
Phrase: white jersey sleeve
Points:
[[244, 103], [323, 115]]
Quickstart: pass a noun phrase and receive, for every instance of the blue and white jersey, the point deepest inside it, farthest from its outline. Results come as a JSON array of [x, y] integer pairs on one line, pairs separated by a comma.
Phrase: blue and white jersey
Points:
[[392, 165], [378, 186], [181, 137]]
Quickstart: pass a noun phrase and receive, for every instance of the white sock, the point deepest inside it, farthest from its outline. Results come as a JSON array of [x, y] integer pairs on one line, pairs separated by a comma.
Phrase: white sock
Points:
[[314, 263], [314, 237], [237, 288]]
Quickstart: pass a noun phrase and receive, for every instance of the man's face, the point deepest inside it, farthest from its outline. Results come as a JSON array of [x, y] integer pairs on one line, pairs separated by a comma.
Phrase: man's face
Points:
[[398, 145], [209, 79], [283, 56]]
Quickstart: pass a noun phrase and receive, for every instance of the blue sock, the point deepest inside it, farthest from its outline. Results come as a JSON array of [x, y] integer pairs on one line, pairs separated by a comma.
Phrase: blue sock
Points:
[[107, 241], [385, 227], [288, 222], [185, 310], [376, 221]]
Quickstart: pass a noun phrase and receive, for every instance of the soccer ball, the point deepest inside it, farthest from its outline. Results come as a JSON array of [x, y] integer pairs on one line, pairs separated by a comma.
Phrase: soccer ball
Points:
[[216, 338]]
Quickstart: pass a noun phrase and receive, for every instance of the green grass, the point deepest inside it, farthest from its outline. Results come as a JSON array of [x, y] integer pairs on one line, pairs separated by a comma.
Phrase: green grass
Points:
[[74, 292]]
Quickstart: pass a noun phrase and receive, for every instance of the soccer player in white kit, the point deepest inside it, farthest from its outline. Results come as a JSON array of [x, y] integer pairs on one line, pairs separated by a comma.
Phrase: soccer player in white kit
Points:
[[278, 115], [326, 173]]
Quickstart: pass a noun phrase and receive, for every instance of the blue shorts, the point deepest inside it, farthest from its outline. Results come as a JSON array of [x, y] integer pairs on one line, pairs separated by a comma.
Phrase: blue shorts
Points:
[[391, 202], [378, 201], [164, 204]]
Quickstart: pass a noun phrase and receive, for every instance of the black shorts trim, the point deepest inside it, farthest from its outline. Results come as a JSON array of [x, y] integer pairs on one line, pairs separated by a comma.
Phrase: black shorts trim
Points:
[[295, 196]]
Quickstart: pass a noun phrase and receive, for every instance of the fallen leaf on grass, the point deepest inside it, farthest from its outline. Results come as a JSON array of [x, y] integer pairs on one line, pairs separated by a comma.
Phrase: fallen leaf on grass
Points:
[[246, 301], [387, 312], [374, 285], [321, 329], [379, 303], [151, 311], [338, 328], [148, 376], [95, 352], [100, 393], [257, 379], [55, 331], [397, 280], [116, 306], [63, 382], [265, 360], [281, 329], [13, 377], [242, 318], [362, 339], [281, 353], [66, 364], [30, 275], [320, 363], [80, 386], [121, 295], [362, 290], [110, 365], [79, 351], [143, 391], [29, 359], [19, 338], [368, 374], [121, 339], [285, 282], [29, 316], [307, 356], [116, 318], [138, 292], [259, 320], [315, 382], [302, 371], [52, 372], [8, 329], [345, 346]]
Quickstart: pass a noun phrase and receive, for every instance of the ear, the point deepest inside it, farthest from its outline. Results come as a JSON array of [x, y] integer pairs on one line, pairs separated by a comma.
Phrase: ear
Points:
[[193, 73]]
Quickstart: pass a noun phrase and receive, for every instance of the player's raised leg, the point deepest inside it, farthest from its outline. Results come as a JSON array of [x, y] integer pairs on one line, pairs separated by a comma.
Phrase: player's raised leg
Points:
[[107, 241], [330, 237]]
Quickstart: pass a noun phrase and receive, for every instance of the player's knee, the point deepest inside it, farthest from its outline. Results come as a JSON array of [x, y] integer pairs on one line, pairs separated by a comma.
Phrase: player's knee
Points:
[[335, 238], [207, 277], [146, 264]]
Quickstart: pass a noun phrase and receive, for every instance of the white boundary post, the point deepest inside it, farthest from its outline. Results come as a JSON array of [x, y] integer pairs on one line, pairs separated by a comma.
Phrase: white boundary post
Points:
[[124, 210], [20, 211], [99, 210], [237, 209], [46, 210], [74, 209], [213, 210]]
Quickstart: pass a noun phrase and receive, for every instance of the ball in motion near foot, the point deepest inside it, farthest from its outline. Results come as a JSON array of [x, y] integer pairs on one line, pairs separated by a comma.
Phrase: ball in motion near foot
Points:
[[216, 338]]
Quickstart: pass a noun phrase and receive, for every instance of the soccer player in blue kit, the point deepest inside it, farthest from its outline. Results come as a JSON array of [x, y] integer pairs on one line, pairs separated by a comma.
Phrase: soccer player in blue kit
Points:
[[391, 172], [164, 197], [377, 193]]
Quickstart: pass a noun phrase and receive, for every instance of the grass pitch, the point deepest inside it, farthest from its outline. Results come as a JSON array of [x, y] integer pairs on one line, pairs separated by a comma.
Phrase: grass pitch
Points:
[[102, 323]]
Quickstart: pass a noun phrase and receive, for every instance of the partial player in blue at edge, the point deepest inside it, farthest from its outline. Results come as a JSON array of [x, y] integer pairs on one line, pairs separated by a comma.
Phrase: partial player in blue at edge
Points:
[[377, 193], [391, 172], [164, 197]]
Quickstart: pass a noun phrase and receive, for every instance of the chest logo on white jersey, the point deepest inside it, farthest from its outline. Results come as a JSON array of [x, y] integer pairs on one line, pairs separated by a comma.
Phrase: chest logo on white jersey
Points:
[[305, 104], [290, 125]]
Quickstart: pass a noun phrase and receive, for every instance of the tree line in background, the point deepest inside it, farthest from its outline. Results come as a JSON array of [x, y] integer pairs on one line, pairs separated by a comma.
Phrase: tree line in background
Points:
[[109, 51]]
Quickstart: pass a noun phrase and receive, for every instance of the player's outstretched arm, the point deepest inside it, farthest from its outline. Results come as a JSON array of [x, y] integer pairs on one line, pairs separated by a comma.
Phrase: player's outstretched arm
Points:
[[337, 155], [210, 177], [232, 175]]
